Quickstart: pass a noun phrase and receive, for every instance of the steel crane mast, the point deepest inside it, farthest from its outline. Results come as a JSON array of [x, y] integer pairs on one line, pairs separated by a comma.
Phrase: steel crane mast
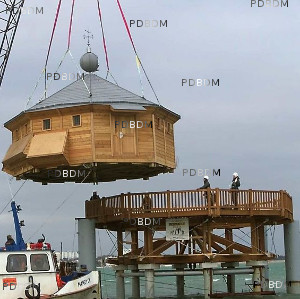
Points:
[[10, 12]]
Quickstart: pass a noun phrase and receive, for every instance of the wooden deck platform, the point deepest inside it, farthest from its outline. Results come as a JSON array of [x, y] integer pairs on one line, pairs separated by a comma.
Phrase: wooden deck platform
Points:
[[206, 211], [219, 204]]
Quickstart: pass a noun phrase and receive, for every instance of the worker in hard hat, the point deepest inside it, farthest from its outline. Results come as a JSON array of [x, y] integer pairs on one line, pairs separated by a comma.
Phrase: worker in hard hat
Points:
[[206, 182], [235, 184]]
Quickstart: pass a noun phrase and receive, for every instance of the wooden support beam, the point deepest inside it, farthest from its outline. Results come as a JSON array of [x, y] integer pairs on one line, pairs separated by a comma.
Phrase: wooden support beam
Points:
[[217, 247], [135, 240], [234, 245], [183, 247], [204, 239], [120, 242], [217, 200], [148, 241], [163, 247], [192, 258], [261, 238]]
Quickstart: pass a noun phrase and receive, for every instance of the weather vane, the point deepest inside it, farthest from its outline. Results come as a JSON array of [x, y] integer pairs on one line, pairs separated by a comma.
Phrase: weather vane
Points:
[[88, 36]]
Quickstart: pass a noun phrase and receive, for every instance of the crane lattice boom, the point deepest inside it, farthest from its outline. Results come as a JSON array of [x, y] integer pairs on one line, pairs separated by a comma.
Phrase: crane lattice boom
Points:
[[10, 12]]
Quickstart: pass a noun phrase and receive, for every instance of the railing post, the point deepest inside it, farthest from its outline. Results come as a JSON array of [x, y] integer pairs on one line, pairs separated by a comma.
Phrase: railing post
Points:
[[102, 209], [208, 196], [168, 203], [217, 199], [282, 202], [129, 205], [122, 205], [250, 195]]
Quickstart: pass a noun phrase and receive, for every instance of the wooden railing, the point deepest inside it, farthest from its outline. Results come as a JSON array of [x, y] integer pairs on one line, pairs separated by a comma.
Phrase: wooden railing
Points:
[[214, 202]]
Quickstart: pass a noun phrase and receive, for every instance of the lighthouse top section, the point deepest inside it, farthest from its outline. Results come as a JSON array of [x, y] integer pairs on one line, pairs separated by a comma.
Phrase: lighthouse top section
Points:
[[91, 131]]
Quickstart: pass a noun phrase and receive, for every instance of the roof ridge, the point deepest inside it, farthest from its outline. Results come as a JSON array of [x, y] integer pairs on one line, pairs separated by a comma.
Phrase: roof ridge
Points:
[[98, 81], [121, 87]]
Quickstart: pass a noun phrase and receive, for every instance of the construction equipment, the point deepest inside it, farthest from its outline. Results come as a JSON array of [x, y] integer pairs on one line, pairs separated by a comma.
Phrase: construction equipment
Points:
[[10, 12]]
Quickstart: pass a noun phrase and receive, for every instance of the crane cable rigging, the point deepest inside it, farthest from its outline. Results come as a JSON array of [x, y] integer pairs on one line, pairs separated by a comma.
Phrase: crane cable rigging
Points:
[[138, 60], [104, 43], [44, 70]]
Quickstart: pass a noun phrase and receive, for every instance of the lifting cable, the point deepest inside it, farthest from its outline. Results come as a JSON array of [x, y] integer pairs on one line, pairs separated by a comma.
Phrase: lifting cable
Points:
[[104, 43], [74, 237], [273, 242], [248, 237], [44, 70], [12, 197], [68, 51], [56, 210], [114, 243], [70, 25], [138, 60], [50, 44]]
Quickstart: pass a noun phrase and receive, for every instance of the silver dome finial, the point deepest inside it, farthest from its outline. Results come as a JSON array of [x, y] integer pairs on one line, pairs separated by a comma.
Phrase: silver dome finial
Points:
[[89, 61]]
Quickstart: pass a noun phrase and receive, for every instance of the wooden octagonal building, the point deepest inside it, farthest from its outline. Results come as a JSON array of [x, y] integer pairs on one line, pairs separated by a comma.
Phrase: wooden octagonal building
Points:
[[77, 137]]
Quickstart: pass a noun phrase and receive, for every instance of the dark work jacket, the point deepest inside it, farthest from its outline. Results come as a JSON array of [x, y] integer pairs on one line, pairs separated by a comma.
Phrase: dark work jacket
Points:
[[206, 185], [235, 183]]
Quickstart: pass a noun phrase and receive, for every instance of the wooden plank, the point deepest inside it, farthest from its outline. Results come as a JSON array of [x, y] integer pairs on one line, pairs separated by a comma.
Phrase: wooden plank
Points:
[[47, 144], [17, 149], [120, 242], [93, 146]]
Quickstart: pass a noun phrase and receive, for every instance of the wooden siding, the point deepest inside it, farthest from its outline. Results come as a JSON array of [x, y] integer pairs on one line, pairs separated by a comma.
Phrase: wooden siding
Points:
[[97, 140]]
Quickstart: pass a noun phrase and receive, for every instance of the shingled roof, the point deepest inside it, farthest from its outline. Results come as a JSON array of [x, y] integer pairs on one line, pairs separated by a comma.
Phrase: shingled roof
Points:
[[103, 92]]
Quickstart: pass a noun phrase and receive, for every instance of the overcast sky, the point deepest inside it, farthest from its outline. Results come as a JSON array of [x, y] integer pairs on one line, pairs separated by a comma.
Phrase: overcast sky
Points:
[[249, 124]]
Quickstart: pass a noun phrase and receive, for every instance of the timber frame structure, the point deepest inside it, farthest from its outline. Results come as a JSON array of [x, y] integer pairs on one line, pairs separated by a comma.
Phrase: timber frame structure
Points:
[[204, 251], [254, 209]]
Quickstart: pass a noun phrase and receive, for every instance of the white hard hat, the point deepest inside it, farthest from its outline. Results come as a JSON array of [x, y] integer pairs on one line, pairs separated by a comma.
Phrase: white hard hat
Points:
[[206, 177], [235, 174]]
